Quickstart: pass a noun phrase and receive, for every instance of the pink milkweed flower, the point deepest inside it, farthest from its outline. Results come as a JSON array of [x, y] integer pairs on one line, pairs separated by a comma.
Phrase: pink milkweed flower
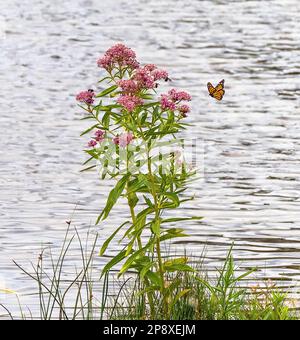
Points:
[[116, 140], [118, 55], [99, 136], [99, 133], [171, 100], [166, 103], [124, 139], [147, 76], [129, 101], [92, 143], [177, 96], [184, 110], [150, 67], [160, 74], [86, 97], [144, 78], [128, 86]]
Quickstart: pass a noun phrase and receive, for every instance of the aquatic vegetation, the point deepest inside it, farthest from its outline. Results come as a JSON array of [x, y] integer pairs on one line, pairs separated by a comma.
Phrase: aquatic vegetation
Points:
[[67, 294]]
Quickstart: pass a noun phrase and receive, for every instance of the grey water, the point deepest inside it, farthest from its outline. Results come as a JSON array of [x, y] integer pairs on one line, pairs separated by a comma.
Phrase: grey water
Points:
[[249, 193]]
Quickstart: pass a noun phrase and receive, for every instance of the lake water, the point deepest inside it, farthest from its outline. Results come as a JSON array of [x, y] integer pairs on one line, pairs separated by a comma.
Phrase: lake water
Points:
[[250, 192]]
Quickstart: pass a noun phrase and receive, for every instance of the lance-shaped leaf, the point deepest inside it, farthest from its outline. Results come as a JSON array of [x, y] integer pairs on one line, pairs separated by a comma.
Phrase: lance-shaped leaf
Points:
[[89, 168], [172, 233], [107, 91], [106, 119], [176, 219], [174, 200], [145, 270], [115, 260], [89, 129], [113, 196], [140, 222], [107, 242], [155, 227], [133, 257], [154, 278], [178, 267]]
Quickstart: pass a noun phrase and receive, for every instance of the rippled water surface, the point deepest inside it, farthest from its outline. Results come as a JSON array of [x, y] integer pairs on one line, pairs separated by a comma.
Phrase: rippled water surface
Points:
[[251, 188]]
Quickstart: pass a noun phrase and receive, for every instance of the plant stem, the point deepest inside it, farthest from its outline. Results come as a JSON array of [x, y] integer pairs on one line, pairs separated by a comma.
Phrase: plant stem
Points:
[[140, 245], [157, 214]]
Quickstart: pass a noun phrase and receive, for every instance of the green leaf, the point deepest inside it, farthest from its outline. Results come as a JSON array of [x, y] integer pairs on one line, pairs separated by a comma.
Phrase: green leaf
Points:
[[145, 270], [132, 258], [176, 219], [107, 242], [140, 222], [93, 153], [154, 278], [211, 288], [148, 201], [89, 168], [155, 227], [174, 200], [89, 129], [103, 79], [179, 260], [172, 233], [178, 267], [87, 117], [109, 108], [88, 160], [118, 258], [146, 96], [113, 196], [107, 91], [137, 183], [106, 119], [148, 290], [133, 199], [129, 247]]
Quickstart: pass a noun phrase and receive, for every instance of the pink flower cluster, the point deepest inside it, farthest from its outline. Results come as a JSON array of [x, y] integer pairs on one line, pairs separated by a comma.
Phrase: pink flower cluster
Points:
[[129, 101], [86, 97], [171, 100], [178, 96], [143, 78], [124, 139], [128, 86], [118, 55], [184, 109], [99, 137], [146, 77], [92, 143]]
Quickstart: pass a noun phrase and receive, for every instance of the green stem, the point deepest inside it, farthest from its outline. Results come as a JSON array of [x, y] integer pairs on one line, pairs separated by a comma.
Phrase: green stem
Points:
[[157, 214], [140, 245]]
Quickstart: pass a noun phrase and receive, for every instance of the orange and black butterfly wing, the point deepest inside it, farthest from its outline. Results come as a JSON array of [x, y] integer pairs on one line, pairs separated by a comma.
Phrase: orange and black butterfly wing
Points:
[[219, 94], [220, 86], [211, 89], [218, 91]]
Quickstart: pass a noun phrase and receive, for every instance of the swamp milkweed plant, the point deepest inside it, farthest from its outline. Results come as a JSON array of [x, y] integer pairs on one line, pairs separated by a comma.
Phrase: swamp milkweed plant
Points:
[[132, 126]]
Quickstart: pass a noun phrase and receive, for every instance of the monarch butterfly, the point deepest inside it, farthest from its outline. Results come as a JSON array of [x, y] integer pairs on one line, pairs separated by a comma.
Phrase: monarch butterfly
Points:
[[218, 91]]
